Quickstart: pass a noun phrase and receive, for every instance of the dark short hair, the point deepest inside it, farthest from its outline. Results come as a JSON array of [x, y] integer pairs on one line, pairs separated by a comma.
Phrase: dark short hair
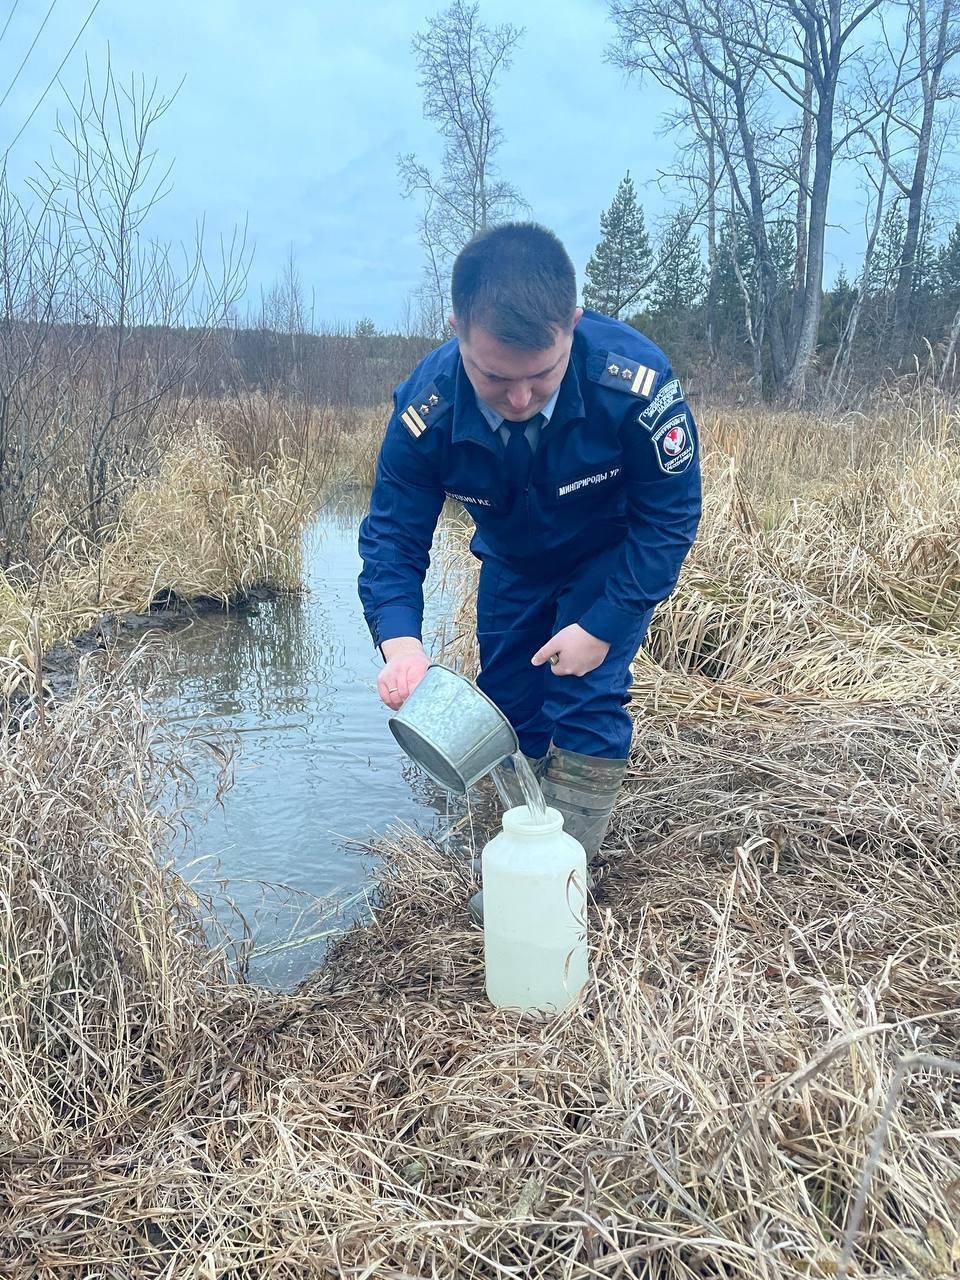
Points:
[[517, 282]]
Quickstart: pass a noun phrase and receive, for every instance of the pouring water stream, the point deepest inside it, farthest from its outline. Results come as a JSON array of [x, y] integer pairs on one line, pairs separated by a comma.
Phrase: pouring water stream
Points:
[[517, 785]]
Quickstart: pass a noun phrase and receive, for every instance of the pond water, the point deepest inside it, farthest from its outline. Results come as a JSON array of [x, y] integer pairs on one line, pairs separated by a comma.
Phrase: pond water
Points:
[[291, 689]]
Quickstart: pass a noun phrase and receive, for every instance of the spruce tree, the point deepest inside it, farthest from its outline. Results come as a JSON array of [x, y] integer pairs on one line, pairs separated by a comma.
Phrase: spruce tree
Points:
[[675, 316], [948, 269], [781, 237], [680, 282], [615, 272], [837, 305], [882, 279], [886, 254], [921, 318]]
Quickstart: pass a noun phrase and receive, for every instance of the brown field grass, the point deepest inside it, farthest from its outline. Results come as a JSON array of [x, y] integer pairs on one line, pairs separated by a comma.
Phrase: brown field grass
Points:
[[336, 444], [759, 1081], [203, 526]]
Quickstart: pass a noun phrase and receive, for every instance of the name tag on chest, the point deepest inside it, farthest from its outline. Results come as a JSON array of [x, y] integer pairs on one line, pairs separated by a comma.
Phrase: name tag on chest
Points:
[[468, 500], [586, 483]]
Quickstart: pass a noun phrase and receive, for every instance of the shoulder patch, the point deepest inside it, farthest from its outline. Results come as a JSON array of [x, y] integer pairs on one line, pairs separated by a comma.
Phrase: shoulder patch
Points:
[[416, 416], [675, 443], [620, 373], [670, 393]]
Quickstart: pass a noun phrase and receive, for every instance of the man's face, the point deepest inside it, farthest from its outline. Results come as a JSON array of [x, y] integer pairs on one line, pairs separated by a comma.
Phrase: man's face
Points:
[[516, 382]]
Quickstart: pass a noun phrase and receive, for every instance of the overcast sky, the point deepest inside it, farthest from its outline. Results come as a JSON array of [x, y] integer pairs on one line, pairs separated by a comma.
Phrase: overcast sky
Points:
[[291, 116]]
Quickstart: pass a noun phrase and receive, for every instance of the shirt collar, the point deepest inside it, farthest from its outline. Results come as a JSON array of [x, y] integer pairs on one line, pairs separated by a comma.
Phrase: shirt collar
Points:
[[496, 420], [470, 424]]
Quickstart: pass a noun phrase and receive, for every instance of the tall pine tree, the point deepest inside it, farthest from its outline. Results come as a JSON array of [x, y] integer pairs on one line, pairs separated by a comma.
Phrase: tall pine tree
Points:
[[621, 260], [882, 278], [886, 255], [837, 305]]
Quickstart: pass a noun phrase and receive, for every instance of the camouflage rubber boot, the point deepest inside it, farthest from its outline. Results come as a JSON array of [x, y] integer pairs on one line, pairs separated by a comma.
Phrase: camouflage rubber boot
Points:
[[537, 765], [585, 790]]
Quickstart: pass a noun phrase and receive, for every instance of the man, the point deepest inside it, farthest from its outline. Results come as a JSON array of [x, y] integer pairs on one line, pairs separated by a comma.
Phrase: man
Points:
[[566, 437]]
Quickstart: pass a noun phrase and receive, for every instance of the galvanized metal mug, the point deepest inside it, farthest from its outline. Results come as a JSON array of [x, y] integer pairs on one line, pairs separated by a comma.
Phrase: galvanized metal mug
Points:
[[452, 730]]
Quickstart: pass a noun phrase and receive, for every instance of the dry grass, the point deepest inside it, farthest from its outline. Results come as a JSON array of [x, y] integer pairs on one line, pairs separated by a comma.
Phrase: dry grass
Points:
[[852, 596], [203, 527], [779, 932], [338, 445], [775, 959], [360, 432]]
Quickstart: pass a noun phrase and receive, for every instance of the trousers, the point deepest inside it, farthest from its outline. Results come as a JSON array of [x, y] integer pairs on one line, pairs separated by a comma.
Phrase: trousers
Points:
[[516, 615]]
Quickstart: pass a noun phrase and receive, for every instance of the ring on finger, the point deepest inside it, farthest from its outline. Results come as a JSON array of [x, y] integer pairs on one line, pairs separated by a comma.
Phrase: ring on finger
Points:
[[554, 659], [391, 691]]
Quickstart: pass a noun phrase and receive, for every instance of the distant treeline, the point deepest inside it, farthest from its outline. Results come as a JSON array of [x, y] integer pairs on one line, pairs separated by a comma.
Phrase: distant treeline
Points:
[[705, 322], [359, 367]]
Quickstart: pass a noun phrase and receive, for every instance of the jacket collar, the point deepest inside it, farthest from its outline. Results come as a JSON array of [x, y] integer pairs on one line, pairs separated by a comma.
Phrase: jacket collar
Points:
[[570, 400]]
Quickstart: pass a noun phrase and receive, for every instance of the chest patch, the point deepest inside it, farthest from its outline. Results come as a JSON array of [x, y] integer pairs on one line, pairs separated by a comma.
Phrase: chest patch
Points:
[[675, 442], [588, 482]]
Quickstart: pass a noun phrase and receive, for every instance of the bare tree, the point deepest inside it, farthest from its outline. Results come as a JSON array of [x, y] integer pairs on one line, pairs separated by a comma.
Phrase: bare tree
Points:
[[840, 370], [100, 187], [95, 5], [802, 209], [828, 27], [769, 78], [874, 145], [101, 329], [460, 60], [283, 308], [701, 171], [935, 34], [687, 46]]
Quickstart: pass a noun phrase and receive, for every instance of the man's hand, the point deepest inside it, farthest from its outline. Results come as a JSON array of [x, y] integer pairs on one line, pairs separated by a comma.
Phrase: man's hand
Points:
[[406, 666], [577, 652]]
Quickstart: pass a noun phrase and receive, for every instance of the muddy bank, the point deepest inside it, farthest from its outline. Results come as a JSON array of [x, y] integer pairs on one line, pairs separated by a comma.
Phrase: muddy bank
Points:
[[168, 614]]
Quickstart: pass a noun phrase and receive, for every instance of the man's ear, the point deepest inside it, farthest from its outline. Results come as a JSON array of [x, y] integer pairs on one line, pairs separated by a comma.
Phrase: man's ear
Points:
[[577, 316], [452, 321]]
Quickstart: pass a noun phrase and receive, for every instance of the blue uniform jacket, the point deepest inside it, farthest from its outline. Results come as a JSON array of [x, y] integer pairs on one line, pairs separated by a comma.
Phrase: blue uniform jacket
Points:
[[618, 464]]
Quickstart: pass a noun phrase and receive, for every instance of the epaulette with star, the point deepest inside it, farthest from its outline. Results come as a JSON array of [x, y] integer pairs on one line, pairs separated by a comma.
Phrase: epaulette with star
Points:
[[416, 416], [620, 373]]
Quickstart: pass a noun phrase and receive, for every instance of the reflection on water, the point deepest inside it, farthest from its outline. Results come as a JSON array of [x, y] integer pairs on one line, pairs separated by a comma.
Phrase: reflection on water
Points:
[[293, 688]]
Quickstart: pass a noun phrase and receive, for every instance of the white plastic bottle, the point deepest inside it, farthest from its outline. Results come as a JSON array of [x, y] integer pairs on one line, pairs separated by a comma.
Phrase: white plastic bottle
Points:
[[534, 914]]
